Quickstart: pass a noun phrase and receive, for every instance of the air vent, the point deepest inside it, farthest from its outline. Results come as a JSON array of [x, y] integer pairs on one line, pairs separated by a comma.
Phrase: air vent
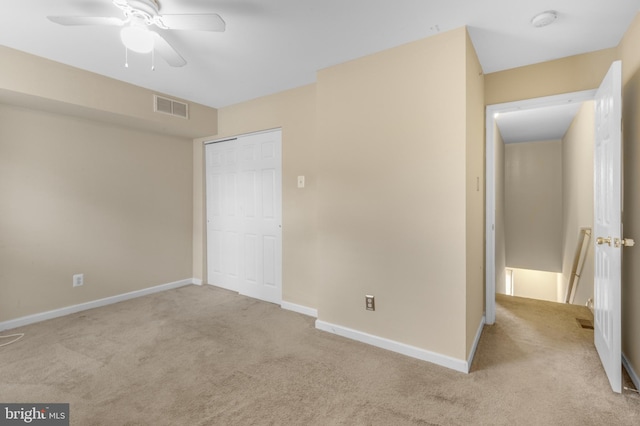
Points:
[[585, 323], [169, 106]]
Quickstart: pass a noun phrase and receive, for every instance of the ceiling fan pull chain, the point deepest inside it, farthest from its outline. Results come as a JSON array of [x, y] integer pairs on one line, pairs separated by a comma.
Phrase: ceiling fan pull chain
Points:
[[126, 57], [153, 60]]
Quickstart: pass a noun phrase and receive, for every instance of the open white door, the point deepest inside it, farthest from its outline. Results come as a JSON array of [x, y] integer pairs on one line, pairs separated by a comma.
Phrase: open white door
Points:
[[608, 225]]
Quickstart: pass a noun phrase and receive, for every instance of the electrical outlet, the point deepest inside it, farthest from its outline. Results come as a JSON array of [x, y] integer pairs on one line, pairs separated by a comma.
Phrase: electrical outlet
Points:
[[370, 302], [78, 280]]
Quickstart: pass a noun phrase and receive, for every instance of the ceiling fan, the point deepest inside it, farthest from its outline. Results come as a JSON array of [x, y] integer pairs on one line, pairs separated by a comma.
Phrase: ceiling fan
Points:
[[139, 16]]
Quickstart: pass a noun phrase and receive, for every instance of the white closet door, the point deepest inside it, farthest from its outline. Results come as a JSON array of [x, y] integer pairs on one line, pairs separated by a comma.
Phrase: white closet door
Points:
[[223, 215], [244, 215]]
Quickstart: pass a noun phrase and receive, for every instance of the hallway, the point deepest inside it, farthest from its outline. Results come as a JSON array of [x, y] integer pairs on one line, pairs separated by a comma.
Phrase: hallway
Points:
[[539, 352]]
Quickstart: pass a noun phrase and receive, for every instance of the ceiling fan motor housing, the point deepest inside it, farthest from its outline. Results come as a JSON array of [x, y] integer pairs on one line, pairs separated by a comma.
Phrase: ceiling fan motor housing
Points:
[[152, 7], [147, 10]]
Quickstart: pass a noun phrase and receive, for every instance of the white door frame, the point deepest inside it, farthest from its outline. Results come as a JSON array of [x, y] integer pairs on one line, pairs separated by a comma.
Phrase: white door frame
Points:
[[490, 176]]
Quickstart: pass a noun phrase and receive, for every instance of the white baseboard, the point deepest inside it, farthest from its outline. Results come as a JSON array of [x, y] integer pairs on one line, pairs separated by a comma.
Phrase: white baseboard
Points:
[[476, 340], [299, 309], [31, 319], [634, 376], [196, 281], [391, 345]]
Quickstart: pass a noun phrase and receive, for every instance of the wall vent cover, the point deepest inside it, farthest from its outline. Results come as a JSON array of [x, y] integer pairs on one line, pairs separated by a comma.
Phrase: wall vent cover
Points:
[[585, 323], [169, 106]]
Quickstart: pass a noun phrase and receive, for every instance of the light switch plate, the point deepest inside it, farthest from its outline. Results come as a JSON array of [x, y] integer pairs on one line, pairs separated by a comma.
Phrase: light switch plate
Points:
[[300, 181]]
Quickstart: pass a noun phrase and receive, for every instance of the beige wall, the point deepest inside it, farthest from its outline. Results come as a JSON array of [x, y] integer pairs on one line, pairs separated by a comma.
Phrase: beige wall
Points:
[[199, 231], [630, 48], [39, 83], [541, 285], [475, 208], [392, 182], [533, 205], [577, 179], [409, 108], [80, 196], [566, 75], [93, 182], [374, 217], [294, 112]]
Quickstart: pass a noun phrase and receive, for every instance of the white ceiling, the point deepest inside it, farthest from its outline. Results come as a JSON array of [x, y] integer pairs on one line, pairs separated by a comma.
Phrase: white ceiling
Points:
[[273, 45], [537, 124]]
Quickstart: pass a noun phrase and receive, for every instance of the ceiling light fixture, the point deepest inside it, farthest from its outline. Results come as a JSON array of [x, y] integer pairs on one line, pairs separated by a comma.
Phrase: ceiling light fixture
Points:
[[137, 37], [545, 18]]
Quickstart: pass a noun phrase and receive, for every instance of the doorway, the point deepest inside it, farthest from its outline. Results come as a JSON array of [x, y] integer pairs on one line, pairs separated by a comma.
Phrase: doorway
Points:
[[607, 206], [492, 195], [244, 214]]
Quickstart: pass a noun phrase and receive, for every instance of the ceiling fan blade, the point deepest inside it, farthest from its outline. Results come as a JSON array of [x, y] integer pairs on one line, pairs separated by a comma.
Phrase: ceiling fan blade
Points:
[[167, 51], [86, 20], [208, 22]]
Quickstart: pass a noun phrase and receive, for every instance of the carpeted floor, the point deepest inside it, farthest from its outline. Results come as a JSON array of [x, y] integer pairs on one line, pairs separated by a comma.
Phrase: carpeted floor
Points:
[[205, 356]]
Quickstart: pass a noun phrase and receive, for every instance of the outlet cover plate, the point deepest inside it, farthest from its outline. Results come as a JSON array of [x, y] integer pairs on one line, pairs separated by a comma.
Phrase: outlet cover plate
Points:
[[78, 280], [370, 302]]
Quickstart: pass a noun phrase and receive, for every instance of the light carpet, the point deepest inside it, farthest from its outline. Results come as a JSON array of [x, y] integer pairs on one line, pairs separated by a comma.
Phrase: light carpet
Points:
[[206, 356]]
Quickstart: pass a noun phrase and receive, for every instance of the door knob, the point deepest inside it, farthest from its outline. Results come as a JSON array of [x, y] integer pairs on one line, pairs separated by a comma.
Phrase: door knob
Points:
[[627, 242], [601, 240]]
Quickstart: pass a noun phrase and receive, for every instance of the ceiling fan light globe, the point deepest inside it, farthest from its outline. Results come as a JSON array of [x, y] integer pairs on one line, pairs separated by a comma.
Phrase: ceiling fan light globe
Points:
[[137, 38]]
